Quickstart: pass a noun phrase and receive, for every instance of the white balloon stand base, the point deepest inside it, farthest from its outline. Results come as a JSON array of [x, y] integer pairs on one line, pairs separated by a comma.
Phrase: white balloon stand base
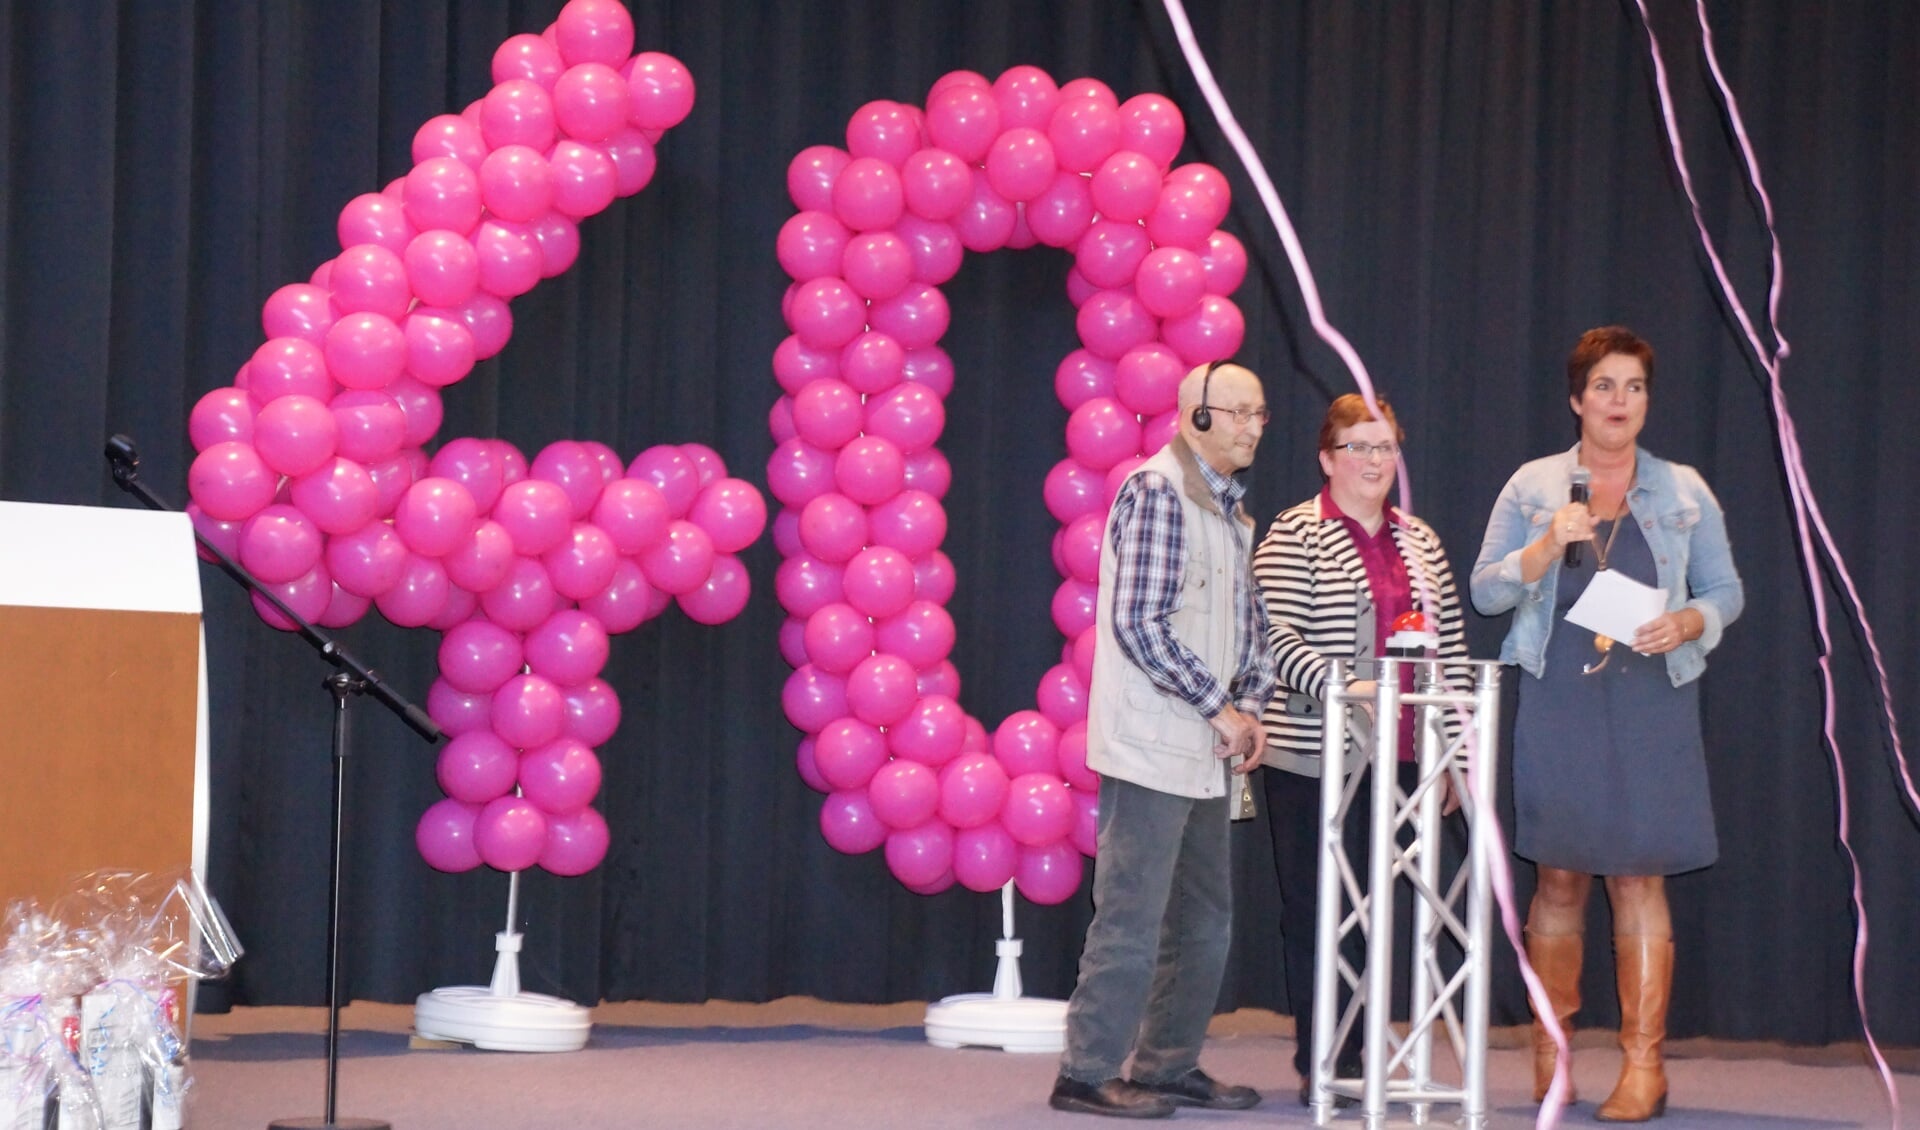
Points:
[[499, 1017], [1003, 1018]]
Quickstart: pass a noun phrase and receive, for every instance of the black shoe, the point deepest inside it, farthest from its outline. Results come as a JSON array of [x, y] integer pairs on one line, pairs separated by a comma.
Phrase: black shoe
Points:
[[1197, 1088], [1115, 1098]]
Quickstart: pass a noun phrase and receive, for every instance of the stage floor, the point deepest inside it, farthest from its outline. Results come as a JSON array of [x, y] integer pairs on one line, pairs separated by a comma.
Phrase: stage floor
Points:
[[798, 1063]]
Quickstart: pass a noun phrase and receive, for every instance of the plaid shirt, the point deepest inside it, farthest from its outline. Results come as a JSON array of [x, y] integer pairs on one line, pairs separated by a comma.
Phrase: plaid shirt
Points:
[[1150, 547]]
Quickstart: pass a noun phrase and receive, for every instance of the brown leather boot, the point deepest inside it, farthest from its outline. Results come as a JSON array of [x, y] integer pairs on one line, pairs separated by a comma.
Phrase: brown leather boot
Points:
[[1556, 959], [1646, 984]]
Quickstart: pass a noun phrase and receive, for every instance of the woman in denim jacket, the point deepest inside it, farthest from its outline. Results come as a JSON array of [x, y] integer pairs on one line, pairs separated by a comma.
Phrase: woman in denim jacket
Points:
[[1610, 772]]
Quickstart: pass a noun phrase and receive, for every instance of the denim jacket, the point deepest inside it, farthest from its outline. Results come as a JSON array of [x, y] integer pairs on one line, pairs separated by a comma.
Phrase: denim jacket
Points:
[[1684, 527]]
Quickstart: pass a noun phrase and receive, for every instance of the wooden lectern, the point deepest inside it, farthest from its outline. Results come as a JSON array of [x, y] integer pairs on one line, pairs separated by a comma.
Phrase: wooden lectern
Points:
[[103, 696]]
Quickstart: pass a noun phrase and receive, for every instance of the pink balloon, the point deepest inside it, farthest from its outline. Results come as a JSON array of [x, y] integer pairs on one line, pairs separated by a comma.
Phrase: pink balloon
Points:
[[365, 350], [883, 130], [528, 711], [916, 317], [1025, 743], [811, 245], [576, 842], [367, 562], [1211, 331], [1072, 754], [1102, 432], [460, 607], [1151, 125], [1185, 215], [838, 637], [585, 179], [593, 31], [369, 277], [370, 426], [934, 246], [593, 712], [221, 415], [518, 112], [1080, 377], [922, 634], [988, 220], [1080, 547], [813, 697], [295, 435], [912, 522], [1170, 281], [298, 310], [1062, 696], [722, 596], [435, 517], [224, 535], [509, 255], [1127, 187], [879, 581], [848, 753], [583, 564], [921, 857], [510, 833], [634, 515], [681, 561], [973, 790], [1073, 490], [443, 192], [525, 599], [811, 174], [929, 472], [634, 161], [1225, 261], [1085, 132], [1026, 96], [942, 679], [339, 497], [931, 732], [793, 641], [929, 367], [877, 264], [308, 595], [450, 135], [441, 267], [1061, 214], [904, 794], [731, 511], [1021, 164], [933, 577], [537, 514], [1073, 607], [882, 689], [1110, 254], [869, 470], [1037, 808], [477, 767], [477, 657], [848, 824], [809, 771], [660, 91], [527, 56], [569, 649], [1113, 322], [1147, 379], [827, 313], [476, 464], [805, 584], [456, 711], [868, 194], [590, 101], [445, 836], [872, 362], [626, 602], [560, 777], [1085, 833], [827, 414], [419, 596], [984, 857], [833, 527], [372, 218], [669, 469], [937, 184], [963, 120], [1049, 873], [280, 544]]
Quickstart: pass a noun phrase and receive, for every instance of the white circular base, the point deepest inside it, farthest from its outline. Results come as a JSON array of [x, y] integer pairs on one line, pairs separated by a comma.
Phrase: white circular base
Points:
[[1021, 1024], [524, 1022]]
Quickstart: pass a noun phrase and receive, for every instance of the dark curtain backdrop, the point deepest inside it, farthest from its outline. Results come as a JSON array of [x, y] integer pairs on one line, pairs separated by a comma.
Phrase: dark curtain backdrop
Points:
[[1475, 184]]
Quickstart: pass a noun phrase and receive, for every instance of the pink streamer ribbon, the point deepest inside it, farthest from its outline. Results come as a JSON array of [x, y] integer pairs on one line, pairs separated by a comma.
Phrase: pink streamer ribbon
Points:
[[1500, 872], [1807, 516]]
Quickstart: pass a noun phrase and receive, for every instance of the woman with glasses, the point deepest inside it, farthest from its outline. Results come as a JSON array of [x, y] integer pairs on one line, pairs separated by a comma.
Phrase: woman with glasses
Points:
[[1335, 571], [1609, 768]]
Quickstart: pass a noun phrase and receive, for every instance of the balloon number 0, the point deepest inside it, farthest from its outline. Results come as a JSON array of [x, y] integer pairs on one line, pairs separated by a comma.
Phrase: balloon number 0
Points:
[[312, 467], [881, 224]]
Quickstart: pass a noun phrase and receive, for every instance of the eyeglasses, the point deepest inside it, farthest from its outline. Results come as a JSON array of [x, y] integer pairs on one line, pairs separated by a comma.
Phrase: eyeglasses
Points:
[[1243, 416], [1368, 450]]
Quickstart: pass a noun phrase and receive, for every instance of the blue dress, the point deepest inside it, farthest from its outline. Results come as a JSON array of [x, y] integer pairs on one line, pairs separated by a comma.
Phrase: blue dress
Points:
[[1609, 769]]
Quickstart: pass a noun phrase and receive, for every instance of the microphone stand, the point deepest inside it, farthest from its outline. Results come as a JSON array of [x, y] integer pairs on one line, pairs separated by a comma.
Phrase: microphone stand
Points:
[[353, 678]]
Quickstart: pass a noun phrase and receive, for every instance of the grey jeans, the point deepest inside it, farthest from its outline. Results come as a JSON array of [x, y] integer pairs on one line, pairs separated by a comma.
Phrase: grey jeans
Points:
[[1157, 946]]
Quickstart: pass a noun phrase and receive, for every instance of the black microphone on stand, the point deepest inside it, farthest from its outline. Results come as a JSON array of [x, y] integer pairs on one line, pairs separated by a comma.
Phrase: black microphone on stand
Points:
[[1577, 493]]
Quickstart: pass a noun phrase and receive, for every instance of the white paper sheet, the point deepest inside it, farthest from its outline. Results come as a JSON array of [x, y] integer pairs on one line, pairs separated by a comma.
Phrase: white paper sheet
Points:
[[1616, 605]]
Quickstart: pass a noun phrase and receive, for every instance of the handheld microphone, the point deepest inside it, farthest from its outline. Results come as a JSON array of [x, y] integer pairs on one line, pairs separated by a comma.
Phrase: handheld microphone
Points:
[[1577, 493]]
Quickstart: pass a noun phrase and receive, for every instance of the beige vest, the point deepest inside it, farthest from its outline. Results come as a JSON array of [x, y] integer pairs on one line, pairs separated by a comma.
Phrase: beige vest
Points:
[[1136, 731]]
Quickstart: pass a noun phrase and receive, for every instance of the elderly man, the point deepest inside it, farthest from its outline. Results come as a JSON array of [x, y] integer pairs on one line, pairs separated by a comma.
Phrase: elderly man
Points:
[[1181, 673]]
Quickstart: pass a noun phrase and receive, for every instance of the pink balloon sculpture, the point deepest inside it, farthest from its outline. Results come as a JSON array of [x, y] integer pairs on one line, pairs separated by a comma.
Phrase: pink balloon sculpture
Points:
[[880, 225], [313, 467]]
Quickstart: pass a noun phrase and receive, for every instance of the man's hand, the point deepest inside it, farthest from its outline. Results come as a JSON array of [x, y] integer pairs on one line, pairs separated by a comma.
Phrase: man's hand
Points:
[[1239, 734]]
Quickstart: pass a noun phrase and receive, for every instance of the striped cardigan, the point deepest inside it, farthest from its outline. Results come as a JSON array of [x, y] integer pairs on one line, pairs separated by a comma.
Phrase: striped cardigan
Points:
[[1315, 587]]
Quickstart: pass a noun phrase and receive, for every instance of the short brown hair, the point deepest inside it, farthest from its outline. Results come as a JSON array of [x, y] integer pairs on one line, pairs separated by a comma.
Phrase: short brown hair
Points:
[[1351, 409], [1596, 345]]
